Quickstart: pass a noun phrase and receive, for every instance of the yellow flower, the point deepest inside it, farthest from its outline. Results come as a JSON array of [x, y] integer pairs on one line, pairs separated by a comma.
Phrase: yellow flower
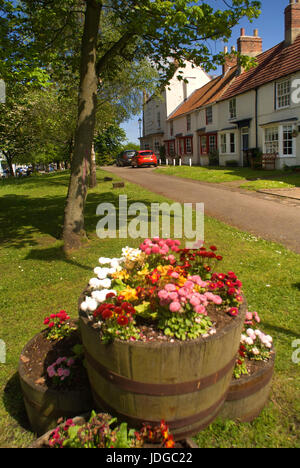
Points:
[[129, 294], [121, 275], [143, 272]]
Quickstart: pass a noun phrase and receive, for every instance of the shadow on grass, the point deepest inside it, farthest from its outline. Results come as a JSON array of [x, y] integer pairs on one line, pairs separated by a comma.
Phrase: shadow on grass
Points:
[[14, 403], [25, 220], [249, 174], [282, 331]]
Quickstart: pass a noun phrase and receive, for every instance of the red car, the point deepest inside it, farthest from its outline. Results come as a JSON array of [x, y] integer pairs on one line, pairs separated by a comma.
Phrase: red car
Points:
[[144, 158]]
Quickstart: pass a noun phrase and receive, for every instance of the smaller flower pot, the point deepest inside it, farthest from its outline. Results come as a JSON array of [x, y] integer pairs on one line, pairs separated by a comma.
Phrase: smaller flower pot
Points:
[[44, 405], [248, 395]]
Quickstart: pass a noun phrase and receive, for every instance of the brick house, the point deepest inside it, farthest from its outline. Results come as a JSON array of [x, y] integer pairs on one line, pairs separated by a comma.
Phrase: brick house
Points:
[[239, 109], [157, 109]]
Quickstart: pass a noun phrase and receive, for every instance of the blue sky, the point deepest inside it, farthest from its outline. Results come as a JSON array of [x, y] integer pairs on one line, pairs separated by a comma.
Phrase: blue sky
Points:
[[270, 26]]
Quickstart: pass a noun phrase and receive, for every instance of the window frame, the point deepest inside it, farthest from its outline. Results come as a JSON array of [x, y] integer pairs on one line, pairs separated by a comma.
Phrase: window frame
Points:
[[209, 115], [280, 95], [232, 109]]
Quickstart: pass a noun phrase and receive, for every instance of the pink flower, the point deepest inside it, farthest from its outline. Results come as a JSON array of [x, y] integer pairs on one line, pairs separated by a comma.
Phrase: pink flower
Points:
[[249, 316], [175, 275], [194, 301], [155, 249], [163, 294], [170, 287], [217, 300], [200, 309], [175, 307], [257, 318]]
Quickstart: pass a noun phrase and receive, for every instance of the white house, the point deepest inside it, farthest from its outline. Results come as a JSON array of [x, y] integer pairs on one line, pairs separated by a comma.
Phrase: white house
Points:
[[240, 110], [157, 110]]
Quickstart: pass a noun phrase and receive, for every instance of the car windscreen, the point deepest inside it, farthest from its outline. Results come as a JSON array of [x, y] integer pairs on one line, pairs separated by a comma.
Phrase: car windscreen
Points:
[[145, 153]]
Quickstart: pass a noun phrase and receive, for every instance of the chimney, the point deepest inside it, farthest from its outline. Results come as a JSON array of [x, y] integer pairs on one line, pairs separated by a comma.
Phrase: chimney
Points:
[[292, 22], [249, 45], [230, 60]]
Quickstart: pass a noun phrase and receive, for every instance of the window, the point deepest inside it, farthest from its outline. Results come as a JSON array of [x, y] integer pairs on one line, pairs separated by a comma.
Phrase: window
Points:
[[232, 142], [232, 108], [271, 140], [287, 140], [223, 143], [146, 146], [212, 143], [203, 145], [188, 123], [172, 148], [283, 94], [171, 128], [156, 147], [158, 119], [188, 143], [209, 115]]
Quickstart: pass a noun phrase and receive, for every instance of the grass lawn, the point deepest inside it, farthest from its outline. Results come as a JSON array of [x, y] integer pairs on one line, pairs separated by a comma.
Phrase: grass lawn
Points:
[[37, 279], [250, 179]]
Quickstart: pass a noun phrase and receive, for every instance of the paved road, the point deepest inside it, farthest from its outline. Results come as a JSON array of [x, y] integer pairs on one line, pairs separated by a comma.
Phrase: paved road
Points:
[[270, 217]]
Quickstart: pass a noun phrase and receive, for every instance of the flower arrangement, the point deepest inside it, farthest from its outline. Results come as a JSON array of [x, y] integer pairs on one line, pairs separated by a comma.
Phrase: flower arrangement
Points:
[[60, 370], [254, 345], [161, 284], [58, 326], [99, 432]]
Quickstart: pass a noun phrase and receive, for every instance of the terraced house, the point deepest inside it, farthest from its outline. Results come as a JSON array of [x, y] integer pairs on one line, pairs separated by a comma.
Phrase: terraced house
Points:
[[241, 110]]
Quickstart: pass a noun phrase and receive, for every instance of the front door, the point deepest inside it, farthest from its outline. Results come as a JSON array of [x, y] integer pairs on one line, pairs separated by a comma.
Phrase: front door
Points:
[[244, 145]]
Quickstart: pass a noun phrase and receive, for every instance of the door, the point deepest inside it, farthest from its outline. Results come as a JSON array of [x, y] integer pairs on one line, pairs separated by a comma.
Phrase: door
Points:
[[244, 145]]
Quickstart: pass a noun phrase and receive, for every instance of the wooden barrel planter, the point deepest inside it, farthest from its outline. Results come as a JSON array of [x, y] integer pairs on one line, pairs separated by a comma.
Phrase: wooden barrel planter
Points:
[[184, 383], [43, 441], [44, 406], [248, 395]]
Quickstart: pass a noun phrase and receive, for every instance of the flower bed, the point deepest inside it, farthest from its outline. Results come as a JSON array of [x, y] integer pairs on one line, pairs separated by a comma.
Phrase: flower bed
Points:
[[52, 376], [161, 329], [252, 376]]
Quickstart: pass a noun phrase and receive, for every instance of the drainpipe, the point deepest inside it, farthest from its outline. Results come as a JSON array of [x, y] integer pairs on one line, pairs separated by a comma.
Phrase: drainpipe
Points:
[[256, 117]]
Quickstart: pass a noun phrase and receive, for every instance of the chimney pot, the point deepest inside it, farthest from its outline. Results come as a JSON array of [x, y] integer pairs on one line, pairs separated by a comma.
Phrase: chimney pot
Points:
[[292, 22]]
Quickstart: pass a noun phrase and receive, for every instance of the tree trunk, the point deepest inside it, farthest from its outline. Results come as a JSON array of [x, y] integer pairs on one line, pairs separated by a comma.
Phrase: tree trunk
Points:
[[73, 230], [93, 175], [9, 160]]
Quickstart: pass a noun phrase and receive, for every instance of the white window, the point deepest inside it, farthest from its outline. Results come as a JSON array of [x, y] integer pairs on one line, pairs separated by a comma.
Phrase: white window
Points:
[[212, 143], [172, 148], [287, 140], [156, 147], [232, 108], [223, 143], [209, 115], [232, 142], [283, 94], [188, 145], [272, 140], [188, 123]]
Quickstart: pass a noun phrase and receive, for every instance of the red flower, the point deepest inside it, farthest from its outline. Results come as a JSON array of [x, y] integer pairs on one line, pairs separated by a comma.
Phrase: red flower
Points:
[[219, 257], [51, 324], [231, 291], [122, 320], [213, 248], [107, 314], [46, 321], [233, 311], [110, 295]]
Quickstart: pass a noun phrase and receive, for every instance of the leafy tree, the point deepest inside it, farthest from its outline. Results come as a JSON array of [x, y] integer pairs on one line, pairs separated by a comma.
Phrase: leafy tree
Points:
[[166, 32], [108, 144]]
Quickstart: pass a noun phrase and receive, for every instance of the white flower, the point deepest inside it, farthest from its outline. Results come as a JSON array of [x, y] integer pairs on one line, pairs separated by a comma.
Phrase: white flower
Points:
[[84, 306], [104, 260], [91, 304], [94, 283], [249, 341], [243, 338], [102, 272], [100, 296], [251, 333], [105, 283], [269, 338], [255, 351]]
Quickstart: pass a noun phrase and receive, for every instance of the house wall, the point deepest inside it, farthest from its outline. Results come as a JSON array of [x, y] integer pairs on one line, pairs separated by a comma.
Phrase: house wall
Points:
[[267, 113]]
